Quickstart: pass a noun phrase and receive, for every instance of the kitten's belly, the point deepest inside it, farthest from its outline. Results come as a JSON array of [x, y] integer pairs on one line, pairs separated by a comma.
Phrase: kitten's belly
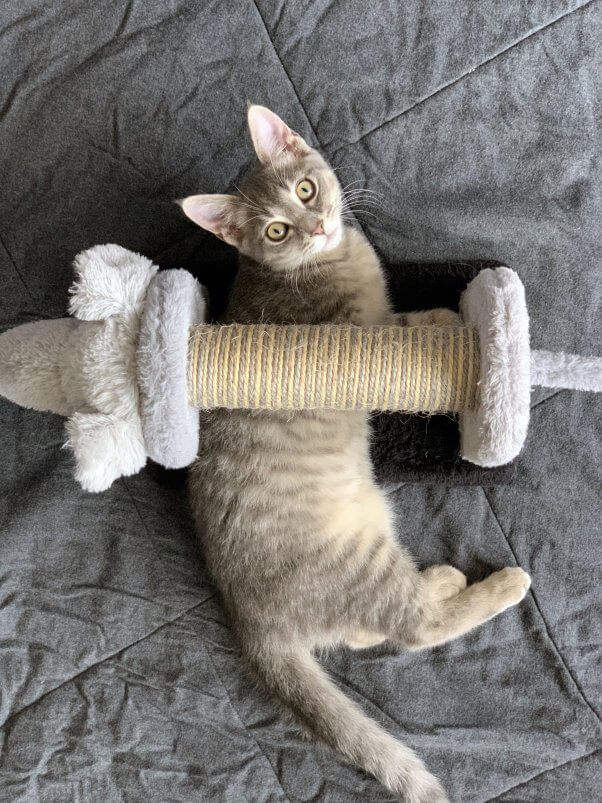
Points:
[[276, 484]]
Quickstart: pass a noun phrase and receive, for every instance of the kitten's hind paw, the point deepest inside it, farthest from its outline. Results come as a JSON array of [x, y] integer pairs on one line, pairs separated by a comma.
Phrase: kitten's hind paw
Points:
[[508, 587], [427, 790], [434, 317]]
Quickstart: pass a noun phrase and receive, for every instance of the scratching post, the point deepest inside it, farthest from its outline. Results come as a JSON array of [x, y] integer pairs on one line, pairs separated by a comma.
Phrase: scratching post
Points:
[[268, 367], [137, 361]]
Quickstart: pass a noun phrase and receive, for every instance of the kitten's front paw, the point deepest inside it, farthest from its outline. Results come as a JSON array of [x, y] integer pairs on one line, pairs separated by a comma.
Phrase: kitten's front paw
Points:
[[434, 317]]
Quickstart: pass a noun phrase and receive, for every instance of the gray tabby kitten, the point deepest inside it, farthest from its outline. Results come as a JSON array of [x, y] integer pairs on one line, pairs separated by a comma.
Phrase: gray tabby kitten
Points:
[[296, 534]]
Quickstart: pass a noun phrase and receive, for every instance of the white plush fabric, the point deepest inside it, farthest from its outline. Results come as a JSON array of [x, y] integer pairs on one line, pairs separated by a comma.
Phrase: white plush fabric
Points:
[[494, 434], [38, 365], [105, 447], [560, 370], [105, 435], [170, 424], [109, 280], [85, 367], [55, 365]]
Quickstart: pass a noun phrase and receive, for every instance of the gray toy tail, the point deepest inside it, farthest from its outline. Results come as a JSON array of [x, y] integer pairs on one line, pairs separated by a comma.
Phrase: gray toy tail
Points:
[[298, 681], [570, 371]]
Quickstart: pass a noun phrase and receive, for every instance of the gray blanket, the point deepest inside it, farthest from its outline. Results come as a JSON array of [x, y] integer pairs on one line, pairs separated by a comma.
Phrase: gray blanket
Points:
[[479, 124]]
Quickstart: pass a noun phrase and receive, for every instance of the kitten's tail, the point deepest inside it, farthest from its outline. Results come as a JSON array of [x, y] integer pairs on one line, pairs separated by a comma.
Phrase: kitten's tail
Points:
[[299, 682]]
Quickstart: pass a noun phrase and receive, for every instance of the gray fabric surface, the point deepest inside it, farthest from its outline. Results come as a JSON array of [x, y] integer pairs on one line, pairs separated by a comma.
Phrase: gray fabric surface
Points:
[[480, 125]]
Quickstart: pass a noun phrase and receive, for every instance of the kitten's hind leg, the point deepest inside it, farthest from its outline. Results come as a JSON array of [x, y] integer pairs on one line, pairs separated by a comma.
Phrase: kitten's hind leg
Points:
[[450, 608]]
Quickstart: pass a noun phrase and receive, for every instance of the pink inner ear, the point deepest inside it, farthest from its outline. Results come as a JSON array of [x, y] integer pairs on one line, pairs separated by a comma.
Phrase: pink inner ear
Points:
[[207, 213], [271, 135], [215, 213]]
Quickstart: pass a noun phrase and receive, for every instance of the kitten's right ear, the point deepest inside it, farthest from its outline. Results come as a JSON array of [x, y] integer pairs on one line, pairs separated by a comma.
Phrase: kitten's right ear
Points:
[[272, 138], [215, 213]]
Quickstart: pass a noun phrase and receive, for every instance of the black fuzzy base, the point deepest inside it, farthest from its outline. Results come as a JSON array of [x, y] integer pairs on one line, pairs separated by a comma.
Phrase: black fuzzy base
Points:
[[421, 448]]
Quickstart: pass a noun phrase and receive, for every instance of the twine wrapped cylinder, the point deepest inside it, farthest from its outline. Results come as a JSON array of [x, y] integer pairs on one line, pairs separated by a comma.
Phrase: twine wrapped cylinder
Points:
[[343, 367]]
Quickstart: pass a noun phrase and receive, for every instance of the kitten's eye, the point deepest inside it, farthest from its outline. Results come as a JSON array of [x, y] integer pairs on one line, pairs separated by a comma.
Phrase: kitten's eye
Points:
[[276, 232], [305, 190]]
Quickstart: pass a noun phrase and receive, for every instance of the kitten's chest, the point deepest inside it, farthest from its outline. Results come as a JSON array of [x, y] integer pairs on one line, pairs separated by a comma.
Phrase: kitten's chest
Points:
[[348, 287], [359, 283], [353, 284]]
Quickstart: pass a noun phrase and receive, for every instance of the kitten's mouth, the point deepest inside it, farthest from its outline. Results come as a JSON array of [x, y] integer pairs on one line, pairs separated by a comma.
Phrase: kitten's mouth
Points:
[[328, 240]]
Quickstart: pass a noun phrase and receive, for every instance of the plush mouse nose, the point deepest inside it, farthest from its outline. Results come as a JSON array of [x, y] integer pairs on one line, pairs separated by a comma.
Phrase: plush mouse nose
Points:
[[319, 228]]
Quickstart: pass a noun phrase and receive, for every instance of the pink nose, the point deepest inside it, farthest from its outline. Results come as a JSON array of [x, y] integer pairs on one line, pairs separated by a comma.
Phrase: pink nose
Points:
[[319, 229]]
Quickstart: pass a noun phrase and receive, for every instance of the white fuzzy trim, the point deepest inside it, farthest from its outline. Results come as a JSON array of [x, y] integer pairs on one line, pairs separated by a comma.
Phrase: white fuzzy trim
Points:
[[109, 280], [560, 370], [105, 447], [170, 424], [494, 434]]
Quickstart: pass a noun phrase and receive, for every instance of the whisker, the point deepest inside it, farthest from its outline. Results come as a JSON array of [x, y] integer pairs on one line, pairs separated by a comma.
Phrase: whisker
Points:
[[354, 201], [240, 202], [354, 209], [365, 189], [360, 209], [342, 167], [362, 191], [350, 203], [254, 217], [375, 199], [252, 204], [252, 207], [355, 181]]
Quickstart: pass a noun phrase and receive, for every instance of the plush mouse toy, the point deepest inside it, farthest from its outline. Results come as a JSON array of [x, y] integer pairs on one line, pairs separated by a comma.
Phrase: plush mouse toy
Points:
[[85, 367]]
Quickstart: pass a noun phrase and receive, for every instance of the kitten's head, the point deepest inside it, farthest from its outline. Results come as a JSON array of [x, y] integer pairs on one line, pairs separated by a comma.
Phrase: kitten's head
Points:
[[288, 211]]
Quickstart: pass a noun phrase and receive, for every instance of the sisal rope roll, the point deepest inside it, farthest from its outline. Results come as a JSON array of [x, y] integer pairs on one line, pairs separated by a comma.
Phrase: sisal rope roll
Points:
[[334, 366]]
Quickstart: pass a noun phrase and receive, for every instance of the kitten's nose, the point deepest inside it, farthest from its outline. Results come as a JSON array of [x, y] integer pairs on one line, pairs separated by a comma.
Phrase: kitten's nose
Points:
[[319, 229]]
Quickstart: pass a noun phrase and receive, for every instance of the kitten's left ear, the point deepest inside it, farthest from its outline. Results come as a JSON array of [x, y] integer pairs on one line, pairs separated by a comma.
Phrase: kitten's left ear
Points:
[[272, 138], [215, 213]]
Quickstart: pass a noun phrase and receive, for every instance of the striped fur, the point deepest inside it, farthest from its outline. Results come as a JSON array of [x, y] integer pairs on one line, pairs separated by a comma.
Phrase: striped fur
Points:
[[296, 534]]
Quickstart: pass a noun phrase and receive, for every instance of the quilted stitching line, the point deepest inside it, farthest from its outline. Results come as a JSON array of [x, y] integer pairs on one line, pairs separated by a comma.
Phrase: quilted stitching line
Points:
[[370, 704], [239, 717], [540, 774], [14, 714], [547, 399], [352, 690], [299, 101], [464, 75], [294, 88], [543, 619], [15, 268]]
